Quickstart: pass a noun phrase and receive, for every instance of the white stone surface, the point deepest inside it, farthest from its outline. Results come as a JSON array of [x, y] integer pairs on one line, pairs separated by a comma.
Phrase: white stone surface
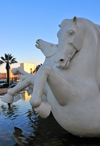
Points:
[[44, 109], [69, 77]]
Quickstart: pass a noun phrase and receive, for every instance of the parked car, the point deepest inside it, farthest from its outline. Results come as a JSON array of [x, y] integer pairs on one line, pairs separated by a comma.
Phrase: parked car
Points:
[[4, 85], [13, 84], [3, 81]]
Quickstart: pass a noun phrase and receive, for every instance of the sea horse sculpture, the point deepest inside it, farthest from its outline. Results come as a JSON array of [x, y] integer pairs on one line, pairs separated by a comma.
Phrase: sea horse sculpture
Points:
[[72, 83]]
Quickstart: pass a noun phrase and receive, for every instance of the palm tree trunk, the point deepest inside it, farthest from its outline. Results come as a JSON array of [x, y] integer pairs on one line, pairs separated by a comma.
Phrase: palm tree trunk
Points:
[[7, 68]]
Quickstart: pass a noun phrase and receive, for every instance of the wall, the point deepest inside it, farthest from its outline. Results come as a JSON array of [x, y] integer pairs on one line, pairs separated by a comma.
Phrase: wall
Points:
[[28, 67]]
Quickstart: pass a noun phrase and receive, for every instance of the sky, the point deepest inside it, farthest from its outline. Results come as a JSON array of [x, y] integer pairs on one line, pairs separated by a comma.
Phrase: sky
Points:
[[22, 22]]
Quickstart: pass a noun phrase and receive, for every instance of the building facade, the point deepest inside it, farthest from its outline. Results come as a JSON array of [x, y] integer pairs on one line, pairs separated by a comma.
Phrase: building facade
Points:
[[14, 78], [2, 76], [28, 67]]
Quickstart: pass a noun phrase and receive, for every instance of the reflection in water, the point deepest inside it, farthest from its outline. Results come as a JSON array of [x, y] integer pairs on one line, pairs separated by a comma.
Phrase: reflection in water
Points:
[[20, 125], [9, 112], [25, 96]]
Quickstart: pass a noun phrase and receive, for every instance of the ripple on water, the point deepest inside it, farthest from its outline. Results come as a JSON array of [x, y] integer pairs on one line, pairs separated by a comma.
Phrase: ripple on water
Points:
[[20, 125]]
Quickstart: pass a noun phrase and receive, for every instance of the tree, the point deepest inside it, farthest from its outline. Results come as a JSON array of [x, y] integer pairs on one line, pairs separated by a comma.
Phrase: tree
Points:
[[8, 59], [37, 67]]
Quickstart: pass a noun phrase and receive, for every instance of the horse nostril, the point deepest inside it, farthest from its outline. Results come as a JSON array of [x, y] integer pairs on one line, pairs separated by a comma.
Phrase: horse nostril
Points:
[[61, 60]]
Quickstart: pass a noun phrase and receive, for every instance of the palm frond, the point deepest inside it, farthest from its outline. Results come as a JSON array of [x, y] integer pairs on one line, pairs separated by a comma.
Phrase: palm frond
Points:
[[13, 62], [6, 57], [1, 62], [10, 56], [13, 59], [3, 59], [37, 68]]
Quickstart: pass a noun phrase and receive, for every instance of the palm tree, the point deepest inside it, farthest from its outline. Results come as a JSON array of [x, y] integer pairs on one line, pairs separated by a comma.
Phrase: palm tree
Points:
[[8, 59], [37, 68]]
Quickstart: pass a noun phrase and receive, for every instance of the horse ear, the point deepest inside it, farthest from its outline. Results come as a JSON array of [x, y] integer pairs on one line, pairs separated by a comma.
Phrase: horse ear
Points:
[[59, 25], [74, 20]]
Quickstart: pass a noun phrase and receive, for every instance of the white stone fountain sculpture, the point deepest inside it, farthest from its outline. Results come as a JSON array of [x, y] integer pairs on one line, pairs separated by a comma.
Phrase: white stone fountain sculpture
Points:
[[69, 78]]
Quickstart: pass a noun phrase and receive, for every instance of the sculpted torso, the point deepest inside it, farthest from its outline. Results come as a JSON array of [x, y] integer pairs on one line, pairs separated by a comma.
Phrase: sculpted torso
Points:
[[69, 78]]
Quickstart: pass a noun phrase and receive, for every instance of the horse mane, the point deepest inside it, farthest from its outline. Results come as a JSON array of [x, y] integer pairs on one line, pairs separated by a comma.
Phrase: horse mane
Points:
[[97, 29], [98, 26]]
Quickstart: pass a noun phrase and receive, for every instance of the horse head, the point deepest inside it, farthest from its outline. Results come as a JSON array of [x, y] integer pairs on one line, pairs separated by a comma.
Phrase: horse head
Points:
[[70, 40], [48, 49]]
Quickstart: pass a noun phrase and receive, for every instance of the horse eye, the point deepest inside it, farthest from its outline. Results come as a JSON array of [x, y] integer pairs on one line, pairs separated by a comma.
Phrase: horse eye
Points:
[[71, 32]]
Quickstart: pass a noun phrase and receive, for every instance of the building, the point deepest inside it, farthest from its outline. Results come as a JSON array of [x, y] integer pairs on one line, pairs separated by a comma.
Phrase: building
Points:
[[14, 77], [2, 76], [28, 67]]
